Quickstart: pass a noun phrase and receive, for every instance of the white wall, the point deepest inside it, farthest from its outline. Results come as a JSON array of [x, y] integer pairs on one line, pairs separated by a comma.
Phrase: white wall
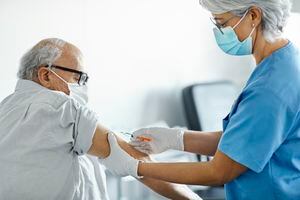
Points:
[[139, 53], [296, 5]]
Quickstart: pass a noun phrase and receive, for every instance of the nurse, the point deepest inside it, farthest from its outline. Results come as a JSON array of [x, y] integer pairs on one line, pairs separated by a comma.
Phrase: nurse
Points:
[[257, 155]]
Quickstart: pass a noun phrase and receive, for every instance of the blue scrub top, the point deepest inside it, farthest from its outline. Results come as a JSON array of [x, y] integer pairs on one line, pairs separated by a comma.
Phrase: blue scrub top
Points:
[[262, 131]]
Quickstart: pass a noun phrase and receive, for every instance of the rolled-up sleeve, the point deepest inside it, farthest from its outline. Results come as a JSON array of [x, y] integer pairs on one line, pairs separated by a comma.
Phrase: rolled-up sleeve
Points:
[[258, 127], [78, 123], [85, 126]]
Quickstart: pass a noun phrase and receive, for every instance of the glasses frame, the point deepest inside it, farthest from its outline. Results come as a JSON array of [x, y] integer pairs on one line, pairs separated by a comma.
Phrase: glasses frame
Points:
[[220, 26], [81, 81]]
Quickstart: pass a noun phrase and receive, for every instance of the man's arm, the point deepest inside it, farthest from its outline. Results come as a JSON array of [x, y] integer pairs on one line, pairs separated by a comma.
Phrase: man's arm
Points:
[[219, 171], [101, 148], [204, 143]]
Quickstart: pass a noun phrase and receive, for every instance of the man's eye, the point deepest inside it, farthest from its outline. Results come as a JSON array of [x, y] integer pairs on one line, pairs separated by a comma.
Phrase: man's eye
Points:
[[76, 78]]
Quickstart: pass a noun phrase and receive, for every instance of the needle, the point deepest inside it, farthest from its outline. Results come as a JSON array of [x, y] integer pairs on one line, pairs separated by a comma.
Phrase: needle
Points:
[[141, 138]]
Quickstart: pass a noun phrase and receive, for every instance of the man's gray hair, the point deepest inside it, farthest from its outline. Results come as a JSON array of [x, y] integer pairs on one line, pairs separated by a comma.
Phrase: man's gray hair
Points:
[[46, 52], [275, 13]]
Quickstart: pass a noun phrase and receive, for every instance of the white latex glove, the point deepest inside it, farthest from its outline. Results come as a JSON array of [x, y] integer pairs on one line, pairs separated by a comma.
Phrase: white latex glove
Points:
[[119, 162], [162, 139]]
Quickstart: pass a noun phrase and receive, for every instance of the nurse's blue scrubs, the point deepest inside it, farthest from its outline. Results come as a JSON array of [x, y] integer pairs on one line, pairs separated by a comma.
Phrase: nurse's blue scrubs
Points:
[[262, 131]]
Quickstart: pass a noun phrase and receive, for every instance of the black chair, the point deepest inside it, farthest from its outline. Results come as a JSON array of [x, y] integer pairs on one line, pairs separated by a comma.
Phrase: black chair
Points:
[[206, 105]]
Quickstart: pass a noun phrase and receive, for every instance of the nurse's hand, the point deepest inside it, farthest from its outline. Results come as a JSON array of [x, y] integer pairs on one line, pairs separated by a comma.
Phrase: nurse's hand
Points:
[[119, 162], [157, 140]]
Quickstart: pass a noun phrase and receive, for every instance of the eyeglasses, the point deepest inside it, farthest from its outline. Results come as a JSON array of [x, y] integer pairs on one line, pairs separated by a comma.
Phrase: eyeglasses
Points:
[[220, 26], [83, 77]]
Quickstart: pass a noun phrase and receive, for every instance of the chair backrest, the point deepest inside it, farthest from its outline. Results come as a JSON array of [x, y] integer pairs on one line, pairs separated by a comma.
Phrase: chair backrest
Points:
[[207, 104]]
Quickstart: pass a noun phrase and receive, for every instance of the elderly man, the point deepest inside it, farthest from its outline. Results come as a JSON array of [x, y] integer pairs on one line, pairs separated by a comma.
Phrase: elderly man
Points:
[[46, 132]]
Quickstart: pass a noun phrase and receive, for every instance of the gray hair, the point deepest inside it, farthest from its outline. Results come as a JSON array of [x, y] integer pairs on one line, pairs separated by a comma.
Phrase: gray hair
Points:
[[46, 52], [275, 13]]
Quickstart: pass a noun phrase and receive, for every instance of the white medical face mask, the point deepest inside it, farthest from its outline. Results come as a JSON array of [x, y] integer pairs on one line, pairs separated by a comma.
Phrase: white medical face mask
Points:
[[77, 92]]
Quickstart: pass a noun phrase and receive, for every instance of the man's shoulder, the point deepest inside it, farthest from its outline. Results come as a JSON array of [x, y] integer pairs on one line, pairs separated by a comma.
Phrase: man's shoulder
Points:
[[52, 98]]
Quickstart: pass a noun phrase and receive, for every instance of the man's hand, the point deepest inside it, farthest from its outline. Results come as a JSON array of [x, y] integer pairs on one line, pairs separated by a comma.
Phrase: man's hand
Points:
[[161, 139], [119, 162]]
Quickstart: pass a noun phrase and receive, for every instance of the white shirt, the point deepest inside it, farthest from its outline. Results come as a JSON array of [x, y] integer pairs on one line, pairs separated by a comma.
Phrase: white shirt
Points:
[[44, 135]]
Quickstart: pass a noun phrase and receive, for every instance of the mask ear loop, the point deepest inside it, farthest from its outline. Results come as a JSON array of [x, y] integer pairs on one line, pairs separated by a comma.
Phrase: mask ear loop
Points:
[[253, 25], [240, 20], [58, 76]]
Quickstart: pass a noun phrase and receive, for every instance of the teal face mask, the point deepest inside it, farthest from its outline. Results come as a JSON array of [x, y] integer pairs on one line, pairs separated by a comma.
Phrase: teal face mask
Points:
[[229, 42]]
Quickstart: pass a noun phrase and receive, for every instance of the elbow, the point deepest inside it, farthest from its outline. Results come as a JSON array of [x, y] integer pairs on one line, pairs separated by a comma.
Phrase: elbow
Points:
[[220, 176], [219, 179], [225, 169]]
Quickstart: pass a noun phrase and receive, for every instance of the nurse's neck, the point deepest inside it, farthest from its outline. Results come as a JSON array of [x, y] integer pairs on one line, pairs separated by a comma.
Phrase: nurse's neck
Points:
[[263, 48]]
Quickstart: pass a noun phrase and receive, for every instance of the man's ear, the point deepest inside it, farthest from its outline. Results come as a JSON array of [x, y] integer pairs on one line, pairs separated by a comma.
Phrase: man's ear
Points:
[[43, 77]]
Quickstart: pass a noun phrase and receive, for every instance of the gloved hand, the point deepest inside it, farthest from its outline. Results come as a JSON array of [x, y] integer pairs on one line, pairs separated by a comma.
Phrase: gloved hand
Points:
[[162, 139], [119, 162]]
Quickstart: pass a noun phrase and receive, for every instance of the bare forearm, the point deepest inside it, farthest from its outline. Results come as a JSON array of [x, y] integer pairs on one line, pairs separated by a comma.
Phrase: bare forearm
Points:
[[169, 190], [219, 171], [204, 143], [182, 173]]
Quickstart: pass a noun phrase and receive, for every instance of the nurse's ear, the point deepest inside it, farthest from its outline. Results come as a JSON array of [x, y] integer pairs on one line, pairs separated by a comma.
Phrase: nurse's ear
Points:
[[255, 14]]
